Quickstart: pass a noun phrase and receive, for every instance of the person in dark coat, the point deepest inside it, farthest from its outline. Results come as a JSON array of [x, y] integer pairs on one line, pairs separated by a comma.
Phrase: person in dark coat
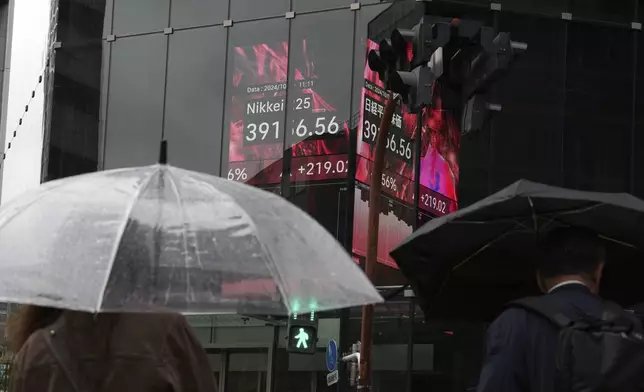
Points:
[[107, 352], [521, 346]]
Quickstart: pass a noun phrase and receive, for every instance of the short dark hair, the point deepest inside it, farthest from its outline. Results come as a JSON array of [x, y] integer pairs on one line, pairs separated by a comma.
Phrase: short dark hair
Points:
[[570, 251]]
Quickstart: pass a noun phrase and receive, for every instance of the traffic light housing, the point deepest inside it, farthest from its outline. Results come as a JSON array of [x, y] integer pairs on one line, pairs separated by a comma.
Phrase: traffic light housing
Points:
[[425, 38], [388, 59], [411, 60], [494, 58], [302, 334], [411, 74], [416, 87]]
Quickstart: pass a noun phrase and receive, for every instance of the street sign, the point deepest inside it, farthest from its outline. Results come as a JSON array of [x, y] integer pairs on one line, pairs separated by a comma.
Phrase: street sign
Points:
[[331, 356], [332, 378]]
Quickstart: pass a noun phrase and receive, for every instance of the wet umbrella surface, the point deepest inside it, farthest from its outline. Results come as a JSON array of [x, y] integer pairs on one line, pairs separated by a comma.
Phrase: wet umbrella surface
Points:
[[159, 238], [478, 258]]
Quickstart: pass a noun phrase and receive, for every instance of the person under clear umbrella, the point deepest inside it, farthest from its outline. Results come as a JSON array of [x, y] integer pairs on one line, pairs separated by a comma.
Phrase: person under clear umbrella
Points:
[[82, 352]]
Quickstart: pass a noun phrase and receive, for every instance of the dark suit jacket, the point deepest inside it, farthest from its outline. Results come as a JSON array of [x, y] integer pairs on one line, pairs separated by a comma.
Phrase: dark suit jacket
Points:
[[521, 346]]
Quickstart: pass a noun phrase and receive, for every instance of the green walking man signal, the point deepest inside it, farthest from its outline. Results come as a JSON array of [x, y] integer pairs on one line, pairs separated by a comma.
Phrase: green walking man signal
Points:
[[302, 339], [302, 335]]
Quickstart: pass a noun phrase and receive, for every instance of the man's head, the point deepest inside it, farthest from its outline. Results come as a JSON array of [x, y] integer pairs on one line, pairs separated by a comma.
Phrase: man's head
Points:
[[571, 254]]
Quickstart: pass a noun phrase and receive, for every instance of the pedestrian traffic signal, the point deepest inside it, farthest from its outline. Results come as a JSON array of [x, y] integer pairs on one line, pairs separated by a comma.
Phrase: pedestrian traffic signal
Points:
[[302, 339], [302, 335]]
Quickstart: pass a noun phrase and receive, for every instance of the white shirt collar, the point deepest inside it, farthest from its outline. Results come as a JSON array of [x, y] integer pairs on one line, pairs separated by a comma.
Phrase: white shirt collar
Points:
[[566, 283]]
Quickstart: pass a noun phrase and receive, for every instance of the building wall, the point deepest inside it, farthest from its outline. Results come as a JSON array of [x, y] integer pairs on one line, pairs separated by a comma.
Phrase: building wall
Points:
[[169, 68], [572, 111], [74, 94], [571, 105], [175, 84], [571, 108], [29, 26]]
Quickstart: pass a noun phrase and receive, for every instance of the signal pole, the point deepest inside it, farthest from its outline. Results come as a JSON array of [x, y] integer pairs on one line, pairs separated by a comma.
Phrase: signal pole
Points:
[[366, 332], [414, 86]]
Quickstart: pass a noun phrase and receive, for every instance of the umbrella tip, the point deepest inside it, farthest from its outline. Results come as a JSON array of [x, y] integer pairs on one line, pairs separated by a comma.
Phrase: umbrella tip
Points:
[[163, 153]]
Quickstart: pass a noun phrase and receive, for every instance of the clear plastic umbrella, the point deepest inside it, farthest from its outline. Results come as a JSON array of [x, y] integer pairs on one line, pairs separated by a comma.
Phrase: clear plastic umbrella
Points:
[[159, 238]]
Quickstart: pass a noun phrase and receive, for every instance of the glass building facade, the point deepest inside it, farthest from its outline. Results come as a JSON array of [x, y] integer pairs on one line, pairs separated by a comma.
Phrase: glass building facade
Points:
[[270, 92]]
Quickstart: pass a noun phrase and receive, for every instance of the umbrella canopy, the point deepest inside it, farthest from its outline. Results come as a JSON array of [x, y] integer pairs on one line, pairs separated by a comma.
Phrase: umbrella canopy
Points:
[[486, 250], [159, 238]]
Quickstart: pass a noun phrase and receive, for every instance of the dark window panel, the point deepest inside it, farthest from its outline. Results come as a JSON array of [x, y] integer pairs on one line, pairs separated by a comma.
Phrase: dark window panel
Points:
[[639, 52], [638, 134], [526, 145], [4, 18], [319, 92], [316, 5], [190, 13], [79, 21], [73, 135], [256, 73], [364, 16], [83, 96], [396, 223], [599, 102], [327, 204], [474, 163], [543, 7], [73, 144], [622, 11], [638, 44], [194, 98], [140, 16], [135, 101], [599, 159], [81, 65], [73, 118], [477, 2], [253, 9], [473, 9], [526, 134], [637, 187]]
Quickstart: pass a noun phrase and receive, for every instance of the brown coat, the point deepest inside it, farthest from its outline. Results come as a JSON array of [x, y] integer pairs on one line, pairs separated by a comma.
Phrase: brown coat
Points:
[[121, 353]]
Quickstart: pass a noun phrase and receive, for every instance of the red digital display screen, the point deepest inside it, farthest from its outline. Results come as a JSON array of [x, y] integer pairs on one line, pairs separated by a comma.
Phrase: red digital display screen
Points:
[[399, 157], [439, 168], [314, 168], [393, 185], [396, 224], [440, 142], [397, 180], [271, 113]]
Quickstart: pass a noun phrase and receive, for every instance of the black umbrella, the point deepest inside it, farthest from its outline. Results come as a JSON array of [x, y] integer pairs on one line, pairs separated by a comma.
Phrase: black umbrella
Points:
[[476, 259]]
